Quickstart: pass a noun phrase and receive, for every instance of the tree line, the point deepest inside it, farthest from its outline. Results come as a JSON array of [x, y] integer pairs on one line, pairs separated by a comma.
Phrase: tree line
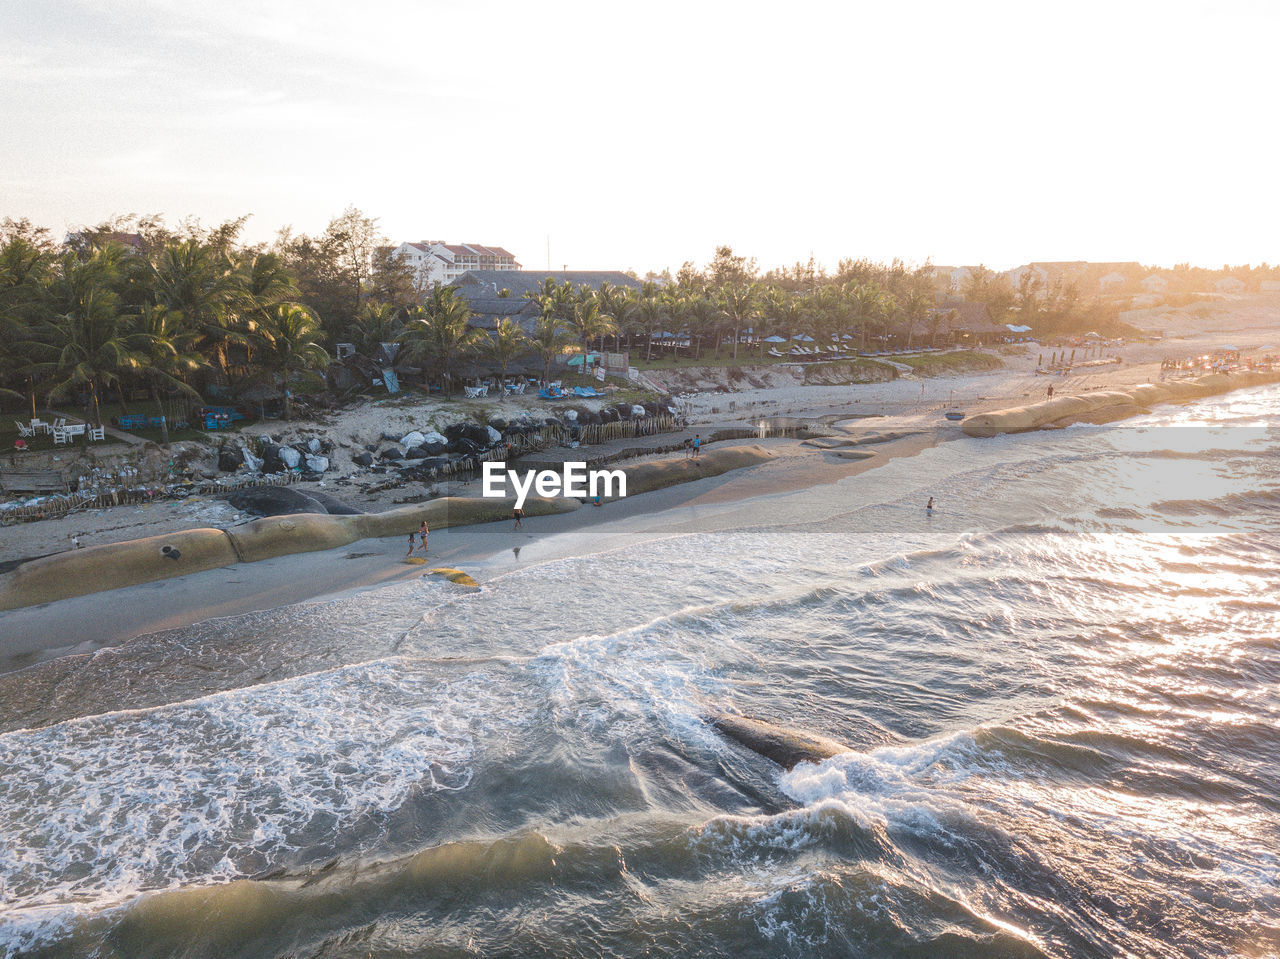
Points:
[[178, 311]]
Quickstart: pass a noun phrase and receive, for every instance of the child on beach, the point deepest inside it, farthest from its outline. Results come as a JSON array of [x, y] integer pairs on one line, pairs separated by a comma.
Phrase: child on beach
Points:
[[697, 443], [518, 515]]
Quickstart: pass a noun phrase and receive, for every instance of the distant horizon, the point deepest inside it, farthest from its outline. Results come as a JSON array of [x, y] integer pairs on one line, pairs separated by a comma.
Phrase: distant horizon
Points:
[[641, 140]]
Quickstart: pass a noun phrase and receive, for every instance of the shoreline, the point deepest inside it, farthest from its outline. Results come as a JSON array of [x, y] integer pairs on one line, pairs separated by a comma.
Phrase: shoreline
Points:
[[906, 404], [32, 634]]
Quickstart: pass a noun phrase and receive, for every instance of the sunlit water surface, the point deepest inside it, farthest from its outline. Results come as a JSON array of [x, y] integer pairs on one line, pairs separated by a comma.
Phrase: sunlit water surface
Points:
[[1060, 691]]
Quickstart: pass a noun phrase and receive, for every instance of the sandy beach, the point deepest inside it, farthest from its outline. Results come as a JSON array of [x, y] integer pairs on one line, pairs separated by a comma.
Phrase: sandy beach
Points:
[[909, 404]]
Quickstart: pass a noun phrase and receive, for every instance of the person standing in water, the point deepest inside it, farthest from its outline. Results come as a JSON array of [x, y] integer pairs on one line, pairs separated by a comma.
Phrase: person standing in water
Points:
[[928, 507]]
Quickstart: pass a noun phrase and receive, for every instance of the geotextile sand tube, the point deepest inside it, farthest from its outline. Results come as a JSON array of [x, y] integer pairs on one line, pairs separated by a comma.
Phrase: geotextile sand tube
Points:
[[659, 474], [1107, 405], [115, 565]]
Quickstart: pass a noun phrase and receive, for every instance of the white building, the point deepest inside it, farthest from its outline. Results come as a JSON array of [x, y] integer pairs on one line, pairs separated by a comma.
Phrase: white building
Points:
[[1113, 281], [1230, 284], [1155, 283], [438, 262]]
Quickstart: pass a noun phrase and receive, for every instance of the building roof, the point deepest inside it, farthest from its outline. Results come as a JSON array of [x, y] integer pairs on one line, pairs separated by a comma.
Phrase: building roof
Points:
[[521, 282], [966, 317], [460, 249]]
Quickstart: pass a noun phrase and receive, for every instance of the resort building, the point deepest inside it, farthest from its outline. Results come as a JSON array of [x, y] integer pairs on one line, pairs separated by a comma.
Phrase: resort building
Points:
[[1155, 283], [1230, 284], [438, 262]]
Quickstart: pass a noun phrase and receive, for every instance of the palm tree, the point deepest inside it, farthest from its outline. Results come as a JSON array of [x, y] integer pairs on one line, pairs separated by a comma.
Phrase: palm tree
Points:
[[618, 303], [25, 273], [166, 353], [651, 312], [375, 324], [739, 302], [506, 342], [914, 307], [678, 309], [586, 323], [789, 311], [85, 340], [703, 315], [291, 339], [550, 339], [868, 302], [198, 284], [438, 332]]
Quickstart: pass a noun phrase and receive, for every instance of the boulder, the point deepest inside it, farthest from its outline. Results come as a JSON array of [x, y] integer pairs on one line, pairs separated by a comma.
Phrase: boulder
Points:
[[229, 460], [494, 435], [638, 411], [363, 459], [316, 463], [289, 456], [249, 459], [412, 439], [271, 461], [391, 454], [477, 434], [434, 449], [274, 501], [315, 446], [571, 416], [434, 439]]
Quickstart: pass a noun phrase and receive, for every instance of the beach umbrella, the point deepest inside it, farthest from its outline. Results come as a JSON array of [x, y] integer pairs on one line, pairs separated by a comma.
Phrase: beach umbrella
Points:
[[1229, 349], [775, 339]]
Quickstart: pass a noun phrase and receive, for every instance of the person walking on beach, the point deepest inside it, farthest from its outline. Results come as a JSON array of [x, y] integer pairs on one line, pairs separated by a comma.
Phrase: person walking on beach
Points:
[[1050, 391], [422, 531], [928, 507], [697, 444], [518, 515], [688, 447]]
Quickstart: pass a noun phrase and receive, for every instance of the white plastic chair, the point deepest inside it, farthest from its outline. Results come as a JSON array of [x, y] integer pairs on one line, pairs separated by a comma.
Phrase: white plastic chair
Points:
[[26, 432], [60, 436], [97, 432]]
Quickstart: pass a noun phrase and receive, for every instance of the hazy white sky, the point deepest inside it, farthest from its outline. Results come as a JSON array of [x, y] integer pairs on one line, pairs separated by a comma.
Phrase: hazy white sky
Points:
[[642, 135]]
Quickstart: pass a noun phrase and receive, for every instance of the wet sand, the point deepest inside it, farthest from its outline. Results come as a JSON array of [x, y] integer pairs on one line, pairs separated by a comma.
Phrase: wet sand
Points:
[[737, 498]]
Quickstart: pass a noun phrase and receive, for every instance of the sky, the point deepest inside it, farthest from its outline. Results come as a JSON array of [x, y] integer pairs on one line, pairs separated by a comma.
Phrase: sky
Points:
[[639, 136]]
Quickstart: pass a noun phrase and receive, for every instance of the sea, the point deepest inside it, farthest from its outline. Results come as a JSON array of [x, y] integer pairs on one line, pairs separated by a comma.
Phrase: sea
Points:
[[1060, 691]]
